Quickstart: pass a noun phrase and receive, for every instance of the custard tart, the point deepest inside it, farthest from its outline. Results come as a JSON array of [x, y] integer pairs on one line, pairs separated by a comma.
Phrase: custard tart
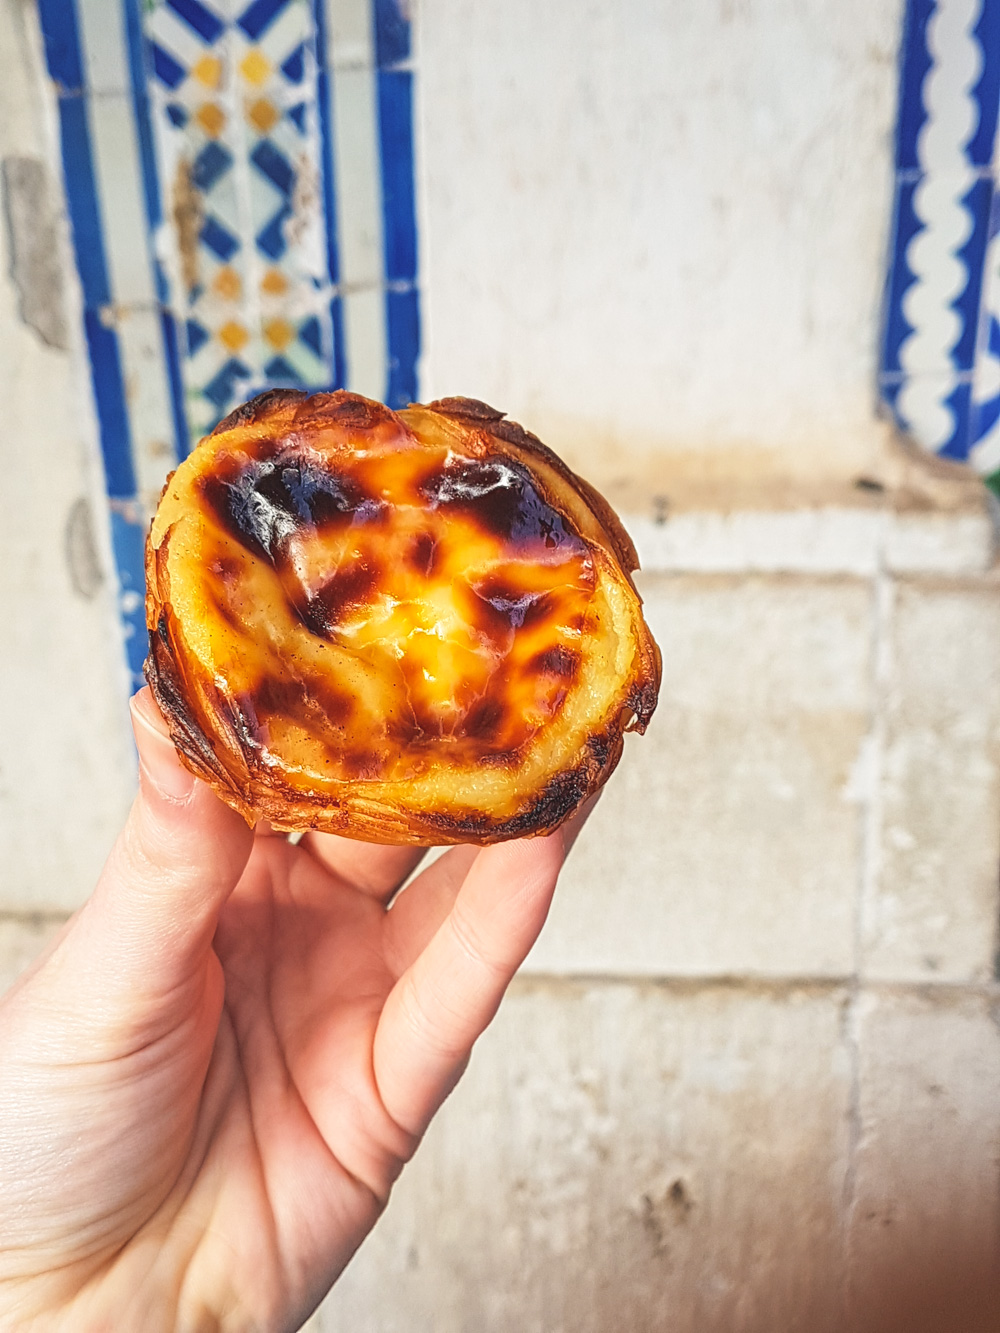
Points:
[[404, 627]]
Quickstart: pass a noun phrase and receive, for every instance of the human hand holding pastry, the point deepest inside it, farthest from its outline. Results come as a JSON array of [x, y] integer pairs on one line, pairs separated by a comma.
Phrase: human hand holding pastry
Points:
[[216, 1072]]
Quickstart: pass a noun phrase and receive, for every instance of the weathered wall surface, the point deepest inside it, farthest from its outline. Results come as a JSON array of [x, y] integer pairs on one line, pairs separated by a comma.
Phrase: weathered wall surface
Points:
[[66, 768], [750, 1078], [661, 226]]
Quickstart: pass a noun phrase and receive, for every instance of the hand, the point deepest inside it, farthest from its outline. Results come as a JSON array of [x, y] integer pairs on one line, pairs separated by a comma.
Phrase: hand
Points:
[[212, 1078]]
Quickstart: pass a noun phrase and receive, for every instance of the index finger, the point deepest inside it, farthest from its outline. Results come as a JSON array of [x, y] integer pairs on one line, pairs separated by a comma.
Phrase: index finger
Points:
[[447, 997]]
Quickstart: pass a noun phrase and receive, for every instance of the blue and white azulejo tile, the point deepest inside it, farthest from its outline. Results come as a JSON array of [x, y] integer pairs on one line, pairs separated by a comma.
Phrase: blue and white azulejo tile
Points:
[[239, 178], [940, 361]]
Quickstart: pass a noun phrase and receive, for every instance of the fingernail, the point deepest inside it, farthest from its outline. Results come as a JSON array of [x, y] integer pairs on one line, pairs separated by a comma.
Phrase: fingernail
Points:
[[158, 759]]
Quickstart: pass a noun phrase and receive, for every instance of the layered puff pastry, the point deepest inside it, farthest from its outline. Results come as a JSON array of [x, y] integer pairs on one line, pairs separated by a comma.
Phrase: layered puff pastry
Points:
[[404, 627]]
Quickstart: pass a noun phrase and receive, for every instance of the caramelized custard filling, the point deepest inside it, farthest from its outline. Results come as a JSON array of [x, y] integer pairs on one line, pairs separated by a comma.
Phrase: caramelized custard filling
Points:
[[377, 613]]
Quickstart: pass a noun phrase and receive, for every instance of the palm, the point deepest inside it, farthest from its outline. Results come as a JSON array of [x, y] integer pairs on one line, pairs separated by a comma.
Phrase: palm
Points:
[[259, 1063], [310, 956]]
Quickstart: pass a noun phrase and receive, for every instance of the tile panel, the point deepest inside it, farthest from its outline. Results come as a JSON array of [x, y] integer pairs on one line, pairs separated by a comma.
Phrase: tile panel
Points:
[[239, 182], [938, 372]]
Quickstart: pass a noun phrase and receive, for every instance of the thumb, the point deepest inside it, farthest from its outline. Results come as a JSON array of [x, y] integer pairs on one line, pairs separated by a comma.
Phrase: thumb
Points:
[[173, 866]]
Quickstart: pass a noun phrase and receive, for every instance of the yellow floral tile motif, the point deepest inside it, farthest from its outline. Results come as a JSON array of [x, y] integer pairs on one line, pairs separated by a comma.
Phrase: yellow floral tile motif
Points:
[[233, 335], [255, 67], [279, 333], [263, 115], [211, 118], [208, 71], [227, 284], [274, 283]]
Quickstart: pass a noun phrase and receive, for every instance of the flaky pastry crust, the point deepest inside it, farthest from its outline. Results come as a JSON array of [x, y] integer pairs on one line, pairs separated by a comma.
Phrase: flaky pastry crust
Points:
[[404, 627]]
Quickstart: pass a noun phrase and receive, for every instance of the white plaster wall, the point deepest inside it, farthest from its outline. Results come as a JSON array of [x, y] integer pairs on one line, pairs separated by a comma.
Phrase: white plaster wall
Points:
[[661, 226], [66, 766]]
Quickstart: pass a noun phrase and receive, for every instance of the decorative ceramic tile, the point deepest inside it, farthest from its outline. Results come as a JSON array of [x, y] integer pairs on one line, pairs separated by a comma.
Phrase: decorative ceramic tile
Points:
[[940, 371], [236, 128], [985, 453], [239, 176]]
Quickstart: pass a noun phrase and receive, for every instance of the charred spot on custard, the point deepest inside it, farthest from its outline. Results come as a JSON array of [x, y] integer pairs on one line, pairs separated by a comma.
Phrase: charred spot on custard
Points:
[[483, 615], [337, 706], [514, 605], [404, 730], [484, 721], [556, 661], [262, 503], [423, 555], [281, 697], [349, 587], [362, 765], [500, 496], [225, 568], [276, 698]]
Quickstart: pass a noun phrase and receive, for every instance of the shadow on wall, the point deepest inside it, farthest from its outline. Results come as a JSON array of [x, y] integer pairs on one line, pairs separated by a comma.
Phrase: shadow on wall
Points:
[[653, 1273], [679, 1157], [941, 1287]]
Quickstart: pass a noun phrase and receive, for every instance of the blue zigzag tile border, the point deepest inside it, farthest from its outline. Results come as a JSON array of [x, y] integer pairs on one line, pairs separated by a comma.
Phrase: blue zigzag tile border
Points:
[[940, 356], [239, 179]]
